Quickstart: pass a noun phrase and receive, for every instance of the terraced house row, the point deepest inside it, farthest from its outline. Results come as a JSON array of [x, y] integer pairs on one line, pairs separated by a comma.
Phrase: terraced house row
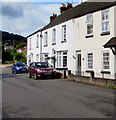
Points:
[[82, 40]]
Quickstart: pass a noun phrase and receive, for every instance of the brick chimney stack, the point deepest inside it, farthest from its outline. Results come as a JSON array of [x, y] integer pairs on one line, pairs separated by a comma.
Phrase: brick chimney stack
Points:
[[64, 7], [53, 17]]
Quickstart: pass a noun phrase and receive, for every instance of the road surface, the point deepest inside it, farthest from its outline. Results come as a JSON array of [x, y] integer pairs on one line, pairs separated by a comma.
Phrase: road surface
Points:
[[53, 98]]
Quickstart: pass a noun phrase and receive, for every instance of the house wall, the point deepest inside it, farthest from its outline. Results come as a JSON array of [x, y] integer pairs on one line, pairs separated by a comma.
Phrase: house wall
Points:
[[95, 44], [76, 42], [66, 46], [31, 53]]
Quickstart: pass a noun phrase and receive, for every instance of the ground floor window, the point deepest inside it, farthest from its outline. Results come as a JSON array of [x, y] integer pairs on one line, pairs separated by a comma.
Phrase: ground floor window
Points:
[[37, 58], [62, 59], [106, 60], [29, 60], [44, 57], [90, 60]]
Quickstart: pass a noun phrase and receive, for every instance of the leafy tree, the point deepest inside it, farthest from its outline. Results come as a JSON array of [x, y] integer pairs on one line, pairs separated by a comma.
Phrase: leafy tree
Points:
[[21, 45], [18, 57]]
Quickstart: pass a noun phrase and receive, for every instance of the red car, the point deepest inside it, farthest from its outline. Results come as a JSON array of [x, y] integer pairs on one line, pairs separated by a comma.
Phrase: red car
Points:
[[40, 69]]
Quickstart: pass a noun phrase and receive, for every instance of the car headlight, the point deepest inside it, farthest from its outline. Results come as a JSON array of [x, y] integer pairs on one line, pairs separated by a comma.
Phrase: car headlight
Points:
[[38, 70], [17, 68], [54, 70]]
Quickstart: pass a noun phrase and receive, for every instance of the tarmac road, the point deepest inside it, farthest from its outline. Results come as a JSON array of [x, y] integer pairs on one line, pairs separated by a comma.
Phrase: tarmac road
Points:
[[25, 97]]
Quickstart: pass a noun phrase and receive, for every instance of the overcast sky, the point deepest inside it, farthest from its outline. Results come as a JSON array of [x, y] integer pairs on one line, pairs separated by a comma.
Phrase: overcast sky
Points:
[[26, 17]]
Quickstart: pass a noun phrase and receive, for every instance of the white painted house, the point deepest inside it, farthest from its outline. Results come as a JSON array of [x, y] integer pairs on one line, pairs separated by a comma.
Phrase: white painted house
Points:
[[76, 40]]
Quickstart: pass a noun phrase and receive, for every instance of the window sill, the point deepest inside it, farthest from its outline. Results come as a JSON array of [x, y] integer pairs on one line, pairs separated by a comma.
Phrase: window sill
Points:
[[88, 36], [105, 33], [63, 41], [61, 68], [105, 72], [45, 45], [53, 43], [89, 71]]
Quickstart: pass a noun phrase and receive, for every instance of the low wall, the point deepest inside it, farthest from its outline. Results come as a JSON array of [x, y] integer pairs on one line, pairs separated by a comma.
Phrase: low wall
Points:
[[94, 81]]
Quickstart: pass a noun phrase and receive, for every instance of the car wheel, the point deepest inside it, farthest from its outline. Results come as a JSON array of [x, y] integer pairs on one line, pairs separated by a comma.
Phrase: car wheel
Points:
[[29, 75], [15, 71], [35, 76]]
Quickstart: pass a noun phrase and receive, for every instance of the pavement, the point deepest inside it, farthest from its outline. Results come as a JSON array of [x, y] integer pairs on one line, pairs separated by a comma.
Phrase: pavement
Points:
[[5, 65]]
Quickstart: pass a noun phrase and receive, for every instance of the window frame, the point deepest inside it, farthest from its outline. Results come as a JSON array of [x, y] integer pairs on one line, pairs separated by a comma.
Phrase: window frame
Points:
[[46, 39], [37, 41], [89, 22], [62, 59], [106, 60], [37, 57], [54, 36], [63, 33], [105, 25], [90, 59], [30, 44]]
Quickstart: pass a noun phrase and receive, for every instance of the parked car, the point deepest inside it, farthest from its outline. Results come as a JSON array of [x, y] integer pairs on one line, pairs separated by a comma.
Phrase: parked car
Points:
[[41, 69], [19, 67]]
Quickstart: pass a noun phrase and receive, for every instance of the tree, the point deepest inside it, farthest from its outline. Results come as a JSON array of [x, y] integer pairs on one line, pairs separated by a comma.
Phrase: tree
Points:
[[21, 45], [18, 57]]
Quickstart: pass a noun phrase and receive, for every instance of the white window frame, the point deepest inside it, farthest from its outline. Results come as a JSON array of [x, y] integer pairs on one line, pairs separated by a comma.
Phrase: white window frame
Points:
[[106, 60], [105, 20], [53, 36], [30, 43], [63, 33], [37, 58], [37, 41], [89, 23], [45, 39], [90, 61], [62, 59]]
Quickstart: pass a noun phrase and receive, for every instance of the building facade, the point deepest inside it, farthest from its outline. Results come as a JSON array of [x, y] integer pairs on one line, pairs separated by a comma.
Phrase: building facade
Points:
[[75, 40]]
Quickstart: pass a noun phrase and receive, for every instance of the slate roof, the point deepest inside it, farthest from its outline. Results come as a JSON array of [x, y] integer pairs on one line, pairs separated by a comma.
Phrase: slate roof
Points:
[[111, 43], [78, 11]]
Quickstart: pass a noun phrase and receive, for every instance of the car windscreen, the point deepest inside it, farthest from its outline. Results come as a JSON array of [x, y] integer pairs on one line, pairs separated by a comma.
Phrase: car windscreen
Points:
[[20, 64], [42, 65]]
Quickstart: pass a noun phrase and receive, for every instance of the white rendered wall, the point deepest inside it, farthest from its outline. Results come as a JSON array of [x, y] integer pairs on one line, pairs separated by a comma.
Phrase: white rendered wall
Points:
[[94, 44]]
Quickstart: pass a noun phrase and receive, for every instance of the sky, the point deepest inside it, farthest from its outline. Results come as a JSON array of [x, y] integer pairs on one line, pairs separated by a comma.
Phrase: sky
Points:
[[24, 17]]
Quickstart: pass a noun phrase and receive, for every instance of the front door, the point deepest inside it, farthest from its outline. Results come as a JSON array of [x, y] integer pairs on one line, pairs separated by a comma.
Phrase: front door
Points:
[[79, 64]]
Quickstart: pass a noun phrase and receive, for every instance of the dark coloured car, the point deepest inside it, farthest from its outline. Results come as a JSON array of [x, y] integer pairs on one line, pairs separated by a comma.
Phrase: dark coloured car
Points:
[[19, 68], [41, 69]]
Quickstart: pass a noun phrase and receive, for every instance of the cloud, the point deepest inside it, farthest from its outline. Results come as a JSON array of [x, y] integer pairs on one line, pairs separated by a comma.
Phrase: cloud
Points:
[[11, 12], [25, 18]]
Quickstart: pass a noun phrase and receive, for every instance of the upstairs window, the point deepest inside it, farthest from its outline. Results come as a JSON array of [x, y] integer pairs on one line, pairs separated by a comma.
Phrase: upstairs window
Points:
[[89, 24], [30, 43], [53, 36], [45, 39], [37, 41], [63, 33], [105, 21]]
